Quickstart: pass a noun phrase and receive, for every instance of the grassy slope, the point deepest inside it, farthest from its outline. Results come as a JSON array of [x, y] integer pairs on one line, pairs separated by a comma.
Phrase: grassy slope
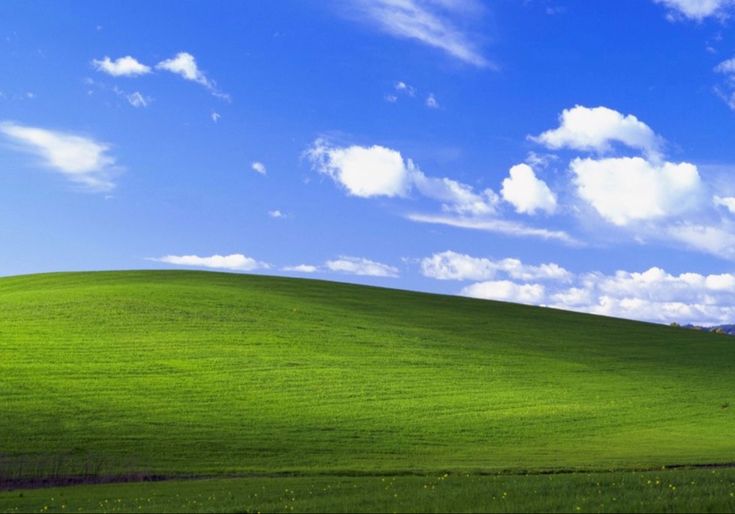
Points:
[[191, 373]]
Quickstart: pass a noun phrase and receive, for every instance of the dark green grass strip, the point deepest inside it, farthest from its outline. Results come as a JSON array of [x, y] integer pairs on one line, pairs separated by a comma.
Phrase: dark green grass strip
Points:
[[681, 490]]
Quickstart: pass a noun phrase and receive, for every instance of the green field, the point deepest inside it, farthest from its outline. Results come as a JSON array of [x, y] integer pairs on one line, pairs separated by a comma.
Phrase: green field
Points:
[[191, 374]]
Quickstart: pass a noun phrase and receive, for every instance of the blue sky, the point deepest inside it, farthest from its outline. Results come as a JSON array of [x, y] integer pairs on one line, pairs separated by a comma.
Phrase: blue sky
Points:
[[566, 153]]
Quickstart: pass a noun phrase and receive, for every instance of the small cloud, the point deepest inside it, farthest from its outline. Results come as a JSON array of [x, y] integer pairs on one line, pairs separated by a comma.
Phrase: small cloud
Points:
[[136, 99], [536, 160], [302, 268], [184, 64], [526, 192], [595, 129], [122, 67], [80, 159], [553, 10], [405, 88], [391, 99], [276, 214], [727, 92], [363, 171], [361, 266], [726, 67], [728, 202], [235, 262], [215, 116], [259, 167], [431, 102]]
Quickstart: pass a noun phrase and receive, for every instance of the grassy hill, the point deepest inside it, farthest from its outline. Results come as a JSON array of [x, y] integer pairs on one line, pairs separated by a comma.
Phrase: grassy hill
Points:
[[183, 373]]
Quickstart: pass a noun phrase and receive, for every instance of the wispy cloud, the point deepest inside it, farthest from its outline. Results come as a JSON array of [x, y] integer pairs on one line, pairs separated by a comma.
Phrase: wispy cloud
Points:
[[727, 90], [696, 10], [136, 99], [432, 102], [80, 159], [499, 226], [361, 266], [184, 64], [302, 268], [435, 23]]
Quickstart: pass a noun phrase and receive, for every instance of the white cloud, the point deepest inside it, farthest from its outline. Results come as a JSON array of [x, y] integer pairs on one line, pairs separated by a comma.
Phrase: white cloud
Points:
[[363, 171], [431, 22], [80, 159], [215, 116], [380, 171], [727, 67], [627, 189], [432, 102], [122, 67], [276, 214], [184, 64], [507, 291], [302, 268], [455, 196], [236, 262], [595, 129], [728, 202], [136, 99], [727, 91], [696, 9], [404, 88], [451, 265], [361, 266], [527, 193], [259, 167], [499, 226], [716, 240], [652, 295]]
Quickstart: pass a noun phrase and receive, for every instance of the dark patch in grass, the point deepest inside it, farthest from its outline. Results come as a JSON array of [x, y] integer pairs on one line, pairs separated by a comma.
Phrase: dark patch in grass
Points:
[[10, 484]]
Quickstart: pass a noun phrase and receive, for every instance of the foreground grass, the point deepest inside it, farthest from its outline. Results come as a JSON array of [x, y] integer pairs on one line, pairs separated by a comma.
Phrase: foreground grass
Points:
[[690, 490]]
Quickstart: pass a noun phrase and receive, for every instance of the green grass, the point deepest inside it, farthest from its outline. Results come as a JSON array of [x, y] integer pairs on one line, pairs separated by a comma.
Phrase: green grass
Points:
[[190, 374], [653, 491]]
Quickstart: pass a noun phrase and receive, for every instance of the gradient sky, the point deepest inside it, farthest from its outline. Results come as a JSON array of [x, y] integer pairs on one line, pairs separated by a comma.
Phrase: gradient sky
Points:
[[567, 153]]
